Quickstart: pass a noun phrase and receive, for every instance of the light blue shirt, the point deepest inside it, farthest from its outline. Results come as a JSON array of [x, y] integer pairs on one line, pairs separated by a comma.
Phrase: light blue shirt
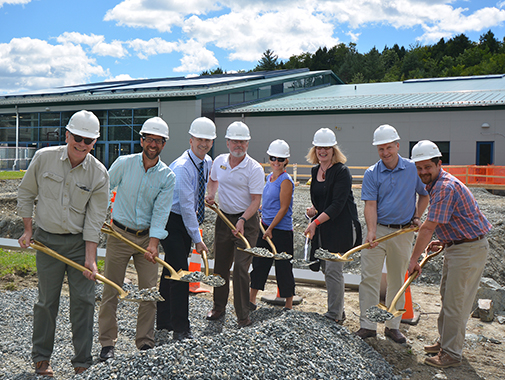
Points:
[[394, 190], [186, 190], [143, 199], [272, 202]]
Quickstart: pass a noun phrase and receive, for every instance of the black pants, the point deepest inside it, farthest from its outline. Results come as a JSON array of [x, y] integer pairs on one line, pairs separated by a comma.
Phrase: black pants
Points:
[[283, 241], [173, 313]]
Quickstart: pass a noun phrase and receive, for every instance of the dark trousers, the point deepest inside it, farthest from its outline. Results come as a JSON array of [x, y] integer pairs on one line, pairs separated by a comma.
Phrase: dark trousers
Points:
[[283, 241], [227, 253], [173, 313]]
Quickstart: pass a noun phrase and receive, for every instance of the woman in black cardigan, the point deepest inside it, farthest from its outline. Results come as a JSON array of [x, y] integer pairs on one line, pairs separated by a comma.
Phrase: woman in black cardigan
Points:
[[335, 225]]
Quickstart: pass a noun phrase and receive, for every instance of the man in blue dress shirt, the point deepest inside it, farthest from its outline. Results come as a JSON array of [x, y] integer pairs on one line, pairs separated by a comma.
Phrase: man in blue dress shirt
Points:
[[145, 187], [192, 170]]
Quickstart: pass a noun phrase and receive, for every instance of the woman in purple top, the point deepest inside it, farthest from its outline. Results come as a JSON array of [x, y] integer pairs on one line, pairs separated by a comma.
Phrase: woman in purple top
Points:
[[277, 219]]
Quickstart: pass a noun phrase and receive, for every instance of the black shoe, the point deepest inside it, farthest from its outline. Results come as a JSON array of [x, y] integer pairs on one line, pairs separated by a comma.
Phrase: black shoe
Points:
[[182, 335], [252, 306], [107, 353], [145, 347]]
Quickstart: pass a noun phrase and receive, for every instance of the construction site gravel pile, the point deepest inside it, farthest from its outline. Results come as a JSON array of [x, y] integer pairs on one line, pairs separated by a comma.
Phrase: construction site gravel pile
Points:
[[278, 345]]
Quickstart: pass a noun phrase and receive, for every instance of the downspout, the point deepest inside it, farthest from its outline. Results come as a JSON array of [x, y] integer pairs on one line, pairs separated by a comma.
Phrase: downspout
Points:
[[159, 109], [17, 140]]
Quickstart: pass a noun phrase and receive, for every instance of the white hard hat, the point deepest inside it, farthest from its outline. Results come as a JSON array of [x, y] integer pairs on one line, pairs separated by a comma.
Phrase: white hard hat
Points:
[[425, 150], [324, 137], [203, 128], [237, 131], [278, 148], [84, 124], [385, 134], [155, 126]]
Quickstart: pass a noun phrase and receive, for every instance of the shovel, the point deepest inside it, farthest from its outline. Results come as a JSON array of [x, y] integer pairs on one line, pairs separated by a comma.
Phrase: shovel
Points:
[[180, 275], [277, 256], [329, 256], [384, 313], [305, 263], [258, 252], [177, 276], [123, 295]]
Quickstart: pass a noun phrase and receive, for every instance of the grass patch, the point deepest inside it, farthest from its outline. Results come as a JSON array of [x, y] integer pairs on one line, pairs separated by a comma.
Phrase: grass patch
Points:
[[11, 175], [24, 263], [19, 263]]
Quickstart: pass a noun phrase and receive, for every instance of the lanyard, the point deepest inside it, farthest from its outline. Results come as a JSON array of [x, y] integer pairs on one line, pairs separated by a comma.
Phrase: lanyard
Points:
[[206, 173]]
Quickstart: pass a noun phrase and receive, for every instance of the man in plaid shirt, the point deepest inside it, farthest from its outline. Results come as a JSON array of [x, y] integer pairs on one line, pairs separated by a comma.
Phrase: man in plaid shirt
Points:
[[461, 228]]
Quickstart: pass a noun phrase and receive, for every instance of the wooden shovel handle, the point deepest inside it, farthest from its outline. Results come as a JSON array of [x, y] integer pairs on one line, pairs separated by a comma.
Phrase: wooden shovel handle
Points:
[[41, 247], [381, 239], [107, 228], [270, 242], [205, 262], [216, 209], [411, 278]]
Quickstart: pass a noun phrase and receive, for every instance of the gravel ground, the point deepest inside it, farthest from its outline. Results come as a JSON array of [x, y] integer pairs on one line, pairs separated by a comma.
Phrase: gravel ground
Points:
[[287, 345]]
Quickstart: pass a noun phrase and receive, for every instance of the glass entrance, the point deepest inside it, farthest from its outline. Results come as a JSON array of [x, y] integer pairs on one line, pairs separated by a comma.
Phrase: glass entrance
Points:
[[485, 153]]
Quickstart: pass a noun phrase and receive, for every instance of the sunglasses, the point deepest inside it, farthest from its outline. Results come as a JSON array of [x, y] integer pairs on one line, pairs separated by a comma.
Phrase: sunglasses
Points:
[[78, 139], [280, 159], [149, 140]]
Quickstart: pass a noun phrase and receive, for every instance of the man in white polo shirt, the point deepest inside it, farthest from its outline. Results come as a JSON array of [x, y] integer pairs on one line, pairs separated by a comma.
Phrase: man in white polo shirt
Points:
[[239, 180]]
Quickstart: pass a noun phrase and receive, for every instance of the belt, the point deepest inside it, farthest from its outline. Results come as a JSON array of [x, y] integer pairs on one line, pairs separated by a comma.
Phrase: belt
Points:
[[457, 242], [131, 230], [396, 226]]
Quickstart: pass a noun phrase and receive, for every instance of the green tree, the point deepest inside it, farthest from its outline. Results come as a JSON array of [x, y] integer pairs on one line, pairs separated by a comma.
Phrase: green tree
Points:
[[216, 71], [488, 41], [268, 61]]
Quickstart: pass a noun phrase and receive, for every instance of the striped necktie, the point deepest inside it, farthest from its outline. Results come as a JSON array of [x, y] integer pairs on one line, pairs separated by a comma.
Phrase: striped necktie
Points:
[[201, 194]]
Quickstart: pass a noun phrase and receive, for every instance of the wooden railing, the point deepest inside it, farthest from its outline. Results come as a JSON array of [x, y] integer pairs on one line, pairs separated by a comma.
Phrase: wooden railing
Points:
[[489, 176]]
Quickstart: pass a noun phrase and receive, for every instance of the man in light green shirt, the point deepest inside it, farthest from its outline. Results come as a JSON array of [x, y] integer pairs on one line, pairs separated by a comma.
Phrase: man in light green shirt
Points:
[[72, 188]]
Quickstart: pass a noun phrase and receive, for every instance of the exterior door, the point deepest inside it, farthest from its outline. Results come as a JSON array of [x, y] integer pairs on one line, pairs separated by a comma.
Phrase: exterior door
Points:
[[485, 153]]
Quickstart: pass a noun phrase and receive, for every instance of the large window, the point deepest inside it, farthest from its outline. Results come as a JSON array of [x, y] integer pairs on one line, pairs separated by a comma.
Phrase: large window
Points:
[[119, 130]]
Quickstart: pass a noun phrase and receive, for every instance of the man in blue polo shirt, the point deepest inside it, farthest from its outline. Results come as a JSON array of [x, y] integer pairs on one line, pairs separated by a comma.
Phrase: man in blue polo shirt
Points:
[[389, 191]]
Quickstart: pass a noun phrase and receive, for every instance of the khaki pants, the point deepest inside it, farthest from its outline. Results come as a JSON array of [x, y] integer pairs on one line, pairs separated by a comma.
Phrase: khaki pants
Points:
[[397, 252], [463, 267], [226, 252], [117, 256]]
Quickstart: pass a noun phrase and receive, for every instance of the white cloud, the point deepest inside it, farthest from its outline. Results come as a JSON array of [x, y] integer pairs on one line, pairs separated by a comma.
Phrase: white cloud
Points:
[[97, 43], [157, 14], [120, 77], [153, 46], [13, 2], [196, 57], [27, 64]]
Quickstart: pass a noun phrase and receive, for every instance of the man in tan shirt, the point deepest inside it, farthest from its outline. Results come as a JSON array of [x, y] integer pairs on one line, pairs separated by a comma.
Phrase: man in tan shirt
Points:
[[72, 188]]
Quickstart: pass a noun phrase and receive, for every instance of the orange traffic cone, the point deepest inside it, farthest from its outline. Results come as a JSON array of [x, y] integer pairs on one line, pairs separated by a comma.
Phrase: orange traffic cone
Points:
[[410, 316], [195, 265]]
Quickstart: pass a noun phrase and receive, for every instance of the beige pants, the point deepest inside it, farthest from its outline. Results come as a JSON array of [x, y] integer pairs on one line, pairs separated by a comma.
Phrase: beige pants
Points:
[[117, 256], [463, 267], [397, 252]]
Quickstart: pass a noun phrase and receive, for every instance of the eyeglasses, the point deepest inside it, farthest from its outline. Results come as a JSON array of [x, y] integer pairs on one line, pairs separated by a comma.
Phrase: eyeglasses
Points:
[[324, 147], [279, 159], [149, 140], [78, 139]]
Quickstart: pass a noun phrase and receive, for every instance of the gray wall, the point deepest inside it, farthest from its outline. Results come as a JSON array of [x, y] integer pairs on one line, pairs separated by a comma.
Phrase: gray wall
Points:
[[355, 131]]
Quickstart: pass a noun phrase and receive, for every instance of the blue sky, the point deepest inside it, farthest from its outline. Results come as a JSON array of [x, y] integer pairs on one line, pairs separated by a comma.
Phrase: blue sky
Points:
[[51, 43]]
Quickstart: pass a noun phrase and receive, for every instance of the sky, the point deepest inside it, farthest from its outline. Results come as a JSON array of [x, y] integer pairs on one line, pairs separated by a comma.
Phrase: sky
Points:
[[52, 43]]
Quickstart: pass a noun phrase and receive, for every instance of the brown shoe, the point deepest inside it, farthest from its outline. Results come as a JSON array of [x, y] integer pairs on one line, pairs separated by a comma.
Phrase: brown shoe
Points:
[[442, 360], [395, 334], [43, 368], [244, 322], [433, 349], [79, 370], [214, 315], [365, 333]]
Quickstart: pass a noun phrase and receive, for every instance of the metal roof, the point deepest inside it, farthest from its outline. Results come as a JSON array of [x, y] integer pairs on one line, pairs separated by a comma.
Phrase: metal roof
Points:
[[487, 90], [160, 88]]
